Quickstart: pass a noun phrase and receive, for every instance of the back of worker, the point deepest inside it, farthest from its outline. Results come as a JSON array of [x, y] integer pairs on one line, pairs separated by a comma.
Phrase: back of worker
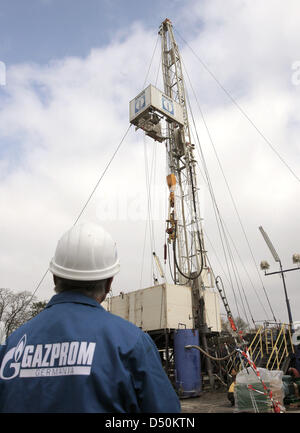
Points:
[[76, 357], [64, 367]]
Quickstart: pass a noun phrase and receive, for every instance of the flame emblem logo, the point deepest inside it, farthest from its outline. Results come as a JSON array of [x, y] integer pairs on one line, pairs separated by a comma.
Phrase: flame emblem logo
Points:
[[20, 348]]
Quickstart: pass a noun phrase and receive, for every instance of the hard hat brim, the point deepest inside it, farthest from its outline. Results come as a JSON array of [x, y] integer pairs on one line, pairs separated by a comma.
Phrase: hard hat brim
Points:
[[81, 275]]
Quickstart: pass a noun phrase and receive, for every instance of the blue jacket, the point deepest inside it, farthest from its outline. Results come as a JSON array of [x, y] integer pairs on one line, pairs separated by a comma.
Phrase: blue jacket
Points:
[[76, 357]]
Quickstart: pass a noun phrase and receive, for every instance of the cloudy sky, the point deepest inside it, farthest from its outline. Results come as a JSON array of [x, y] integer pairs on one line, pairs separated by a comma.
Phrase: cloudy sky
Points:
[[68, 71]]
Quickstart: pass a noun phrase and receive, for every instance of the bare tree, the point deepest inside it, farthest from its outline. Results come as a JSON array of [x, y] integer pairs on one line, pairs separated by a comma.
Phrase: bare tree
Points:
[[37, 307], [16, 309]]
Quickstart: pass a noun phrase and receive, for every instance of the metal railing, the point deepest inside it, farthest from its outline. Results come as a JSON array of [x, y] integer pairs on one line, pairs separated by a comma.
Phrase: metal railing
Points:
[[280, 349], [255, 349], [270, 345]]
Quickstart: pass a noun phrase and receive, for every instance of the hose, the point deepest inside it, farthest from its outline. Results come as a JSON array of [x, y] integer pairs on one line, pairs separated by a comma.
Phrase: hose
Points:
[[176, 263], [198, 234], [208, 355]]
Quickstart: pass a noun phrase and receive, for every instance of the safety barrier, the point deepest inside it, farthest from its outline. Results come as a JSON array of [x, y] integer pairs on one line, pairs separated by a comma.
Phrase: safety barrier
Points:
[[281, 348], [269, 348], [255, 349], [272, 346]]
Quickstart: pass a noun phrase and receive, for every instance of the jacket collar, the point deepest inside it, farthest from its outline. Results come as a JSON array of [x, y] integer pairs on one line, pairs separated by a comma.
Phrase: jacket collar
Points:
[[72, 297]]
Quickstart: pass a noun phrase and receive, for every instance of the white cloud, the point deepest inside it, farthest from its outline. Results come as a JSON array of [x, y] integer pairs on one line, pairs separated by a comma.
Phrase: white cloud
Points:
[[64, 120], [253, 62]]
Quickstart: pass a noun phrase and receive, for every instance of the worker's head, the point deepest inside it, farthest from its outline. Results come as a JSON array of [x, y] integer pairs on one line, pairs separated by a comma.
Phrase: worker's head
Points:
[[85, 260]]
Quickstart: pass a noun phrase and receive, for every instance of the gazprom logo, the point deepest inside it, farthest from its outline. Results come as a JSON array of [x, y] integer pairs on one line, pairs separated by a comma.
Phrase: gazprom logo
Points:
[[167, 104], [140, 102], [64, 358]]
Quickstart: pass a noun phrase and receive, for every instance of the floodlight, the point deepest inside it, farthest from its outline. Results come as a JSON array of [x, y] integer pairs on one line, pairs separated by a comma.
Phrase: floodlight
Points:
[[264, 265]]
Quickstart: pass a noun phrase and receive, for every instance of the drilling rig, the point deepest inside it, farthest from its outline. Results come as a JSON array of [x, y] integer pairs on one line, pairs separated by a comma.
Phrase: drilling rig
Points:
[[163, 116], [184, 223]]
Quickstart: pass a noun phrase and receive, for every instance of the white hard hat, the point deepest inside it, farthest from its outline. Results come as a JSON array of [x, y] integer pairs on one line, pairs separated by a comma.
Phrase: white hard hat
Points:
[[86, 252]]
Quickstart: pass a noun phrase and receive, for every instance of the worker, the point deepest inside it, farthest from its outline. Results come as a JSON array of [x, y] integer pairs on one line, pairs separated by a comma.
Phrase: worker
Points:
[[75, 356], [230, 393]]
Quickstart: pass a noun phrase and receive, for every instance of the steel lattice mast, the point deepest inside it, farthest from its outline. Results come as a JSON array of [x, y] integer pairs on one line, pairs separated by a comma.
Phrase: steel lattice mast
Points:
[[184, 222], [150, 110], [187, 238]]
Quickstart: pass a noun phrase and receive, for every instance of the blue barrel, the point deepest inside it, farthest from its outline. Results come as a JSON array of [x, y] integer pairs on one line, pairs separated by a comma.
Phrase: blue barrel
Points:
[[187, 363]]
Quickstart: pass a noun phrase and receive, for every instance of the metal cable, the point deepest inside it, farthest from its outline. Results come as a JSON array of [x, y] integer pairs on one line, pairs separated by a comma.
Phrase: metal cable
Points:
[[102, 175], [149, 207], [106, 168], [231, 196], [151, 61], [215, 206], [89, 198], [239, 107]]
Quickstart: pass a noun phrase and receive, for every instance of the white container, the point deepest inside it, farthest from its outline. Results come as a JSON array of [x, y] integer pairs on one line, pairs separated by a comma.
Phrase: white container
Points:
[[152, 97], [212, 310], [166, 306]]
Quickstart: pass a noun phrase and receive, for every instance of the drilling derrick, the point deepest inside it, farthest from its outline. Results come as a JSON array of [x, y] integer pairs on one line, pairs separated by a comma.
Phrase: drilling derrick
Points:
[[185, 233], [155, 111], [184, 223], [163, 116]]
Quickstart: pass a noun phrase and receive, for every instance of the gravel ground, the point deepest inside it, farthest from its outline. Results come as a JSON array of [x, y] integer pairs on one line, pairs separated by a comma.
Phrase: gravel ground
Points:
[[215, 402], [208, 402]]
